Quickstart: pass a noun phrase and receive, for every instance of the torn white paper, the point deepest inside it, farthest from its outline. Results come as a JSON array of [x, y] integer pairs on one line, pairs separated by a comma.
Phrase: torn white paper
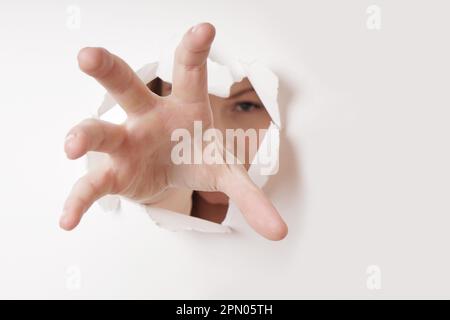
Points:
[[221, 77]]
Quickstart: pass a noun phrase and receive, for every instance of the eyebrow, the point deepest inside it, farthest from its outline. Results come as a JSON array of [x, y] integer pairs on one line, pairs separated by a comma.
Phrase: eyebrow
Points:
[[241, 92]]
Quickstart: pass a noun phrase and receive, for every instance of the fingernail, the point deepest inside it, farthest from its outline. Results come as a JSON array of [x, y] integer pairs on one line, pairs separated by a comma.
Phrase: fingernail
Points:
[[195, 28], [65, 220], [70, 137]]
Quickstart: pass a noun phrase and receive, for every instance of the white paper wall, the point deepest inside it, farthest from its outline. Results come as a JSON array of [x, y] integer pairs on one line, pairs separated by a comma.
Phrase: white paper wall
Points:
[[364, 176]]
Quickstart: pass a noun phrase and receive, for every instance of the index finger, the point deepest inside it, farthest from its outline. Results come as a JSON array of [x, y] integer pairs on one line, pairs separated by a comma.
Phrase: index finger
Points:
[[118, 79]]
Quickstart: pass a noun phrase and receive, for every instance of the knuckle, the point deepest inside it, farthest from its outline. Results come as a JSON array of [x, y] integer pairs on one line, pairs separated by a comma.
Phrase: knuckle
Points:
[[89, 122]]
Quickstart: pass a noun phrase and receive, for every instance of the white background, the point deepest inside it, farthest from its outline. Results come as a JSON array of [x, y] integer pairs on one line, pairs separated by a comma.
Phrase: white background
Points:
[[364, 179]]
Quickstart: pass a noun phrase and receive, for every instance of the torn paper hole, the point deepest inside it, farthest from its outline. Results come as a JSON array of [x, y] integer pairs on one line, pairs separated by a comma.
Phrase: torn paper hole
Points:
[[173, 213]]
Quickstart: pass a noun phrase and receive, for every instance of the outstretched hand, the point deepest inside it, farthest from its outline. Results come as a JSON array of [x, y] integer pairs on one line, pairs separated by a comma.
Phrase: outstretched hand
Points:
[[139, 165]]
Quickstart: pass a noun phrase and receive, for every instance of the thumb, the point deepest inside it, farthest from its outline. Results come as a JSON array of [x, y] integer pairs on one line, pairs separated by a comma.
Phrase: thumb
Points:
[[257, 209]]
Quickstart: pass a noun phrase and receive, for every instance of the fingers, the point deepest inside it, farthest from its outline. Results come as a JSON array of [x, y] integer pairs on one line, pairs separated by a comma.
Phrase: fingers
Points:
[[257, 209], [189, 70], [93, 135], [118, 79], [84, 193]]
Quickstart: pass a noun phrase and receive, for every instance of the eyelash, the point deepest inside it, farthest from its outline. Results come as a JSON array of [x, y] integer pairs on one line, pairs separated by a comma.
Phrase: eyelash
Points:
[[238, 105]]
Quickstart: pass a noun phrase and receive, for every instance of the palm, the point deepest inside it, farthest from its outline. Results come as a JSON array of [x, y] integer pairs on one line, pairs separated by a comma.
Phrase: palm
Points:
[[139, 164]]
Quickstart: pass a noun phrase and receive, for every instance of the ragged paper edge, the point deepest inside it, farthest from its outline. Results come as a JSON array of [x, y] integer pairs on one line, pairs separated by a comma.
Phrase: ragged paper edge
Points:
[[220, 79]]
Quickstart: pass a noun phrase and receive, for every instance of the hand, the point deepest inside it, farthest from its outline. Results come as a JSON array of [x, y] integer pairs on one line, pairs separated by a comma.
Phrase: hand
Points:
[[139, 150]]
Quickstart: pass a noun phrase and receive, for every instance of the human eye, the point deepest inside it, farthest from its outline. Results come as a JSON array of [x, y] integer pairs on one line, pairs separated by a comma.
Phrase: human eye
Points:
[[246, 106]]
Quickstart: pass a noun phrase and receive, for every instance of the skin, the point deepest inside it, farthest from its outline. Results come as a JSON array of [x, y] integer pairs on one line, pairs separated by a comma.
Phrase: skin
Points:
[[241, 110], [139, 165]]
